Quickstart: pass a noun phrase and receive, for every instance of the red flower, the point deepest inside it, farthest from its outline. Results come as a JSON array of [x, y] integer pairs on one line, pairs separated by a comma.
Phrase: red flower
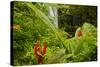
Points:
[[79, 33], [40, 52]]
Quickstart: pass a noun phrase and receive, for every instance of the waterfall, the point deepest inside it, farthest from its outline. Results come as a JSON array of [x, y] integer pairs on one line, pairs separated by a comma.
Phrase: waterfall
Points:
[[54, 13]]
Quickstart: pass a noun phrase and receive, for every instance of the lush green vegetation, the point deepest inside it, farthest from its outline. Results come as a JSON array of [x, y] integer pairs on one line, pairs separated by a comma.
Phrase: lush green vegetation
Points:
[[31, 22]]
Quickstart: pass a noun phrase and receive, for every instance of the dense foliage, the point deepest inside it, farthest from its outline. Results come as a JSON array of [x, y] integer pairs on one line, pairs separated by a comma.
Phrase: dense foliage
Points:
[[31, 22]]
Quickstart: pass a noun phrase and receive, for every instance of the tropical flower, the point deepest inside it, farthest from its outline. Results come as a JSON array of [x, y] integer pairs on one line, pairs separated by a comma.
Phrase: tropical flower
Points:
[[40, 52]]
